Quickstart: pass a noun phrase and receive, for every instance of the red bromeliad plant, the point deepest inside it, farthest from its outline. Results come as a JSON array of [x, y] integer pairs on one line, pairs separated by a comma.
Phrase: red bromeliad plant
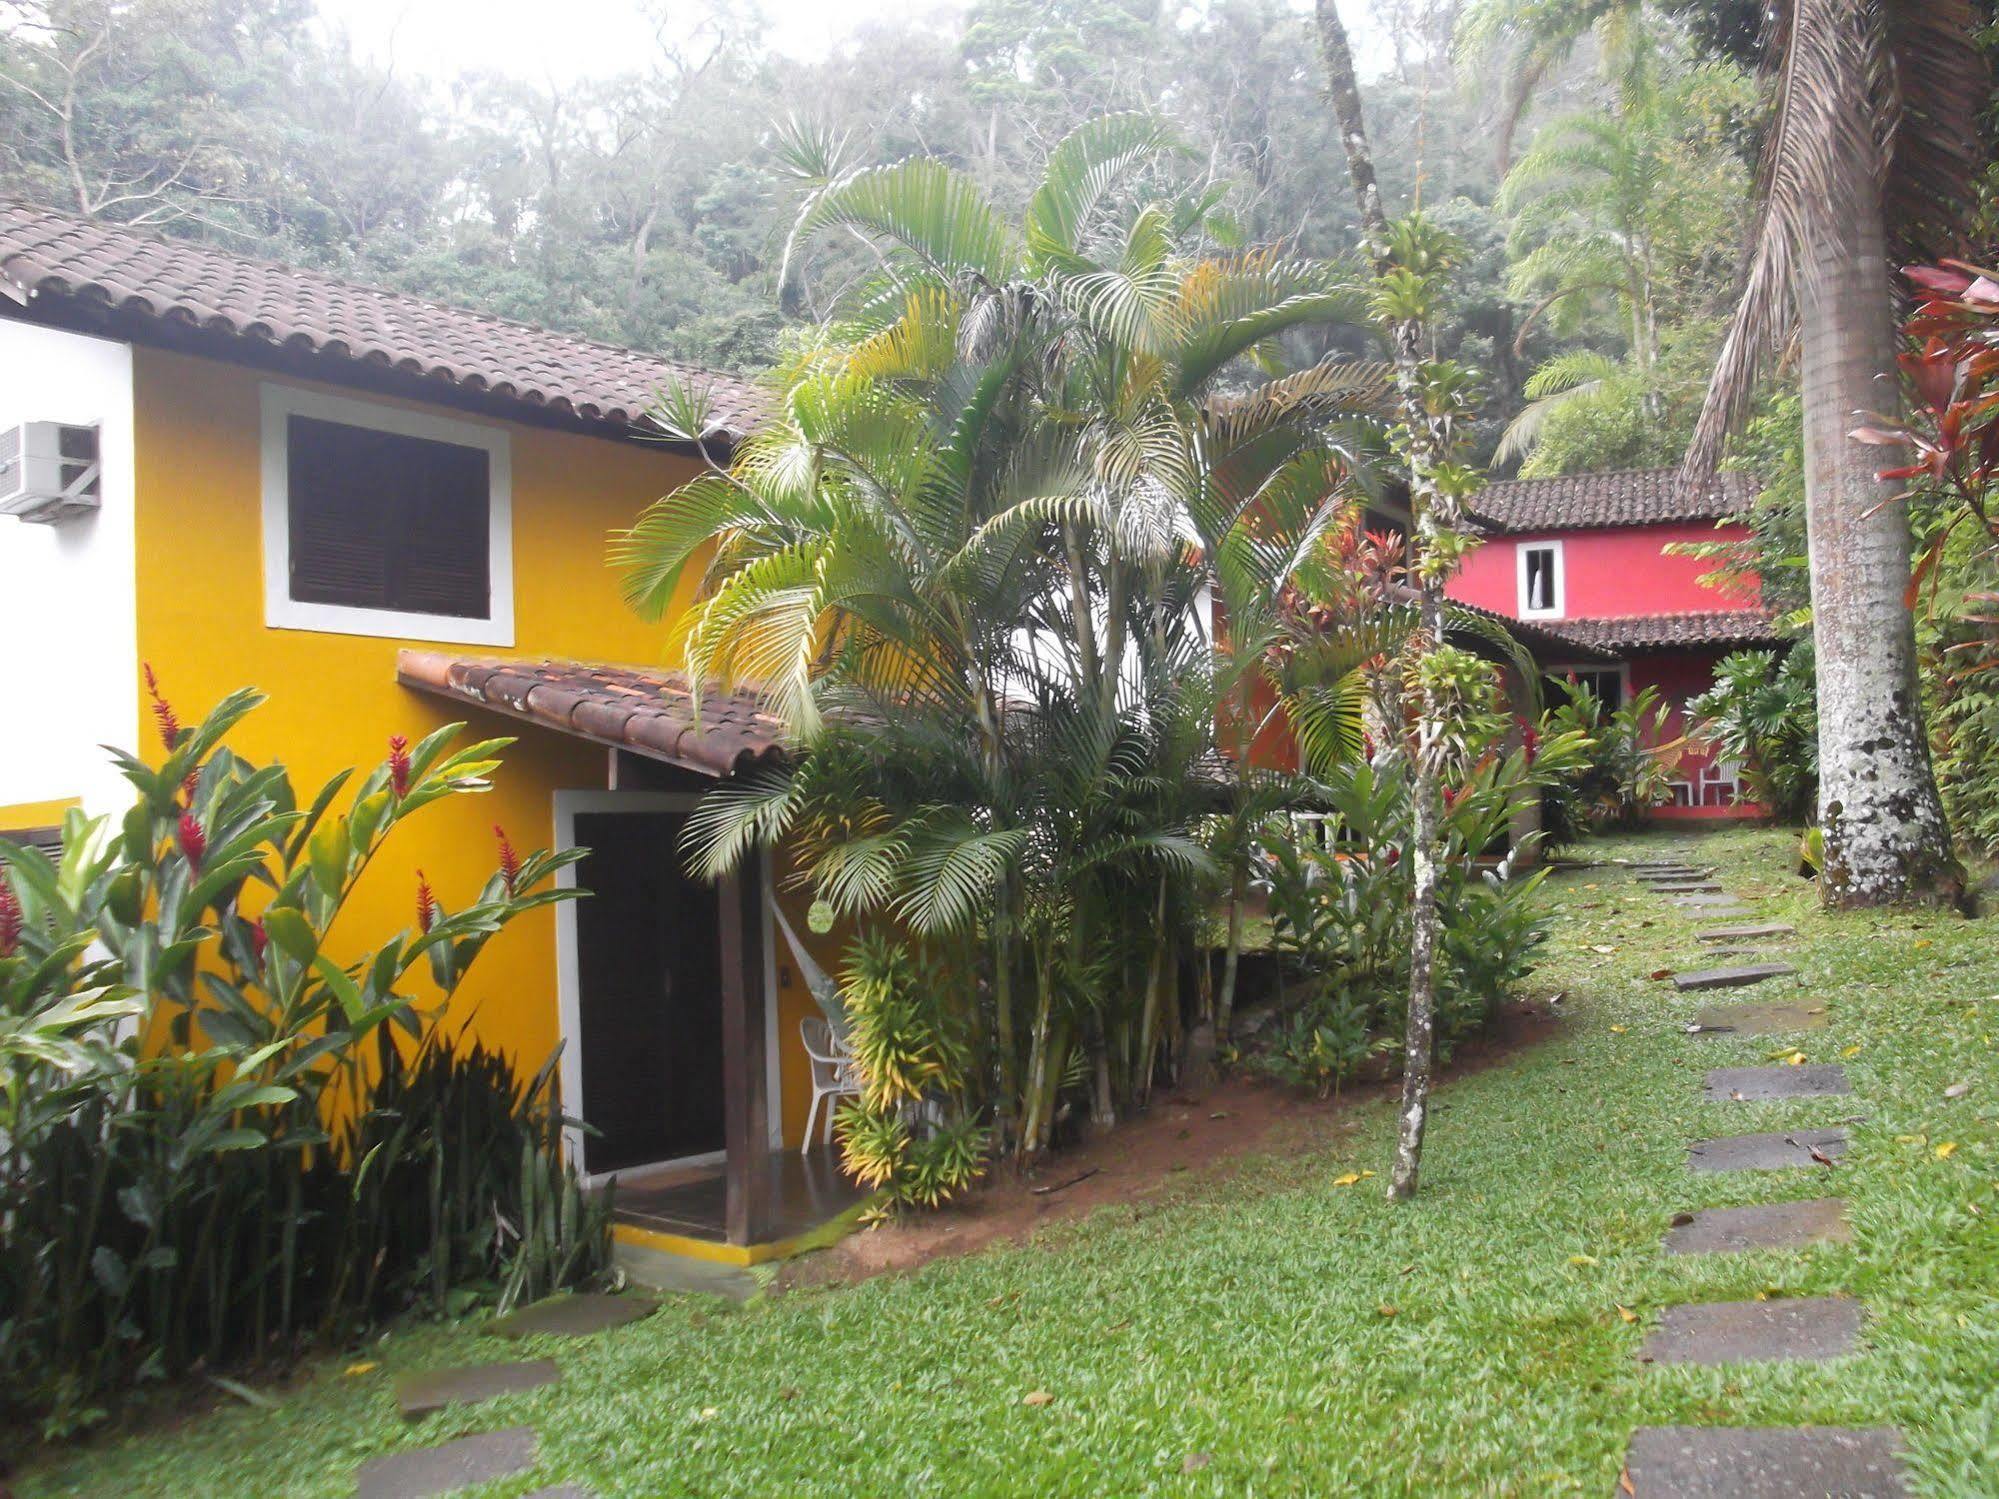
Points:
[[1951, 370]]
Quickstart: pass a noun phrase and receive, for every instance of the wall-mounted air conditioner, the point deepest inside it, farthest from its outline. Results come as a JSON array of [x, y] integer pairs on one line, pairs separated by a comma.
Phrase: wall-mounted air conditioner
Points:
[[48, 471]]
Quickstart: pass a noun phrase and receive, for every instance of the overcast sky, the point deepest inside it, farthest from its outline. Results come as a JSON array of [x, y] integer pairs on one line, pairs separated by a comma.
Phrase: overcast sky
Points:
[[575, 39]]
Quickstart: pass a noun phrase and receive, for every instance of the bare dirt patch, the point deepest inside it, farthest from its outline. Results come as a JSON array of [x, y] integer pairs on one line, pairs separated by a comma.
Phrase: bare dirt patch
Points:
[[1186, 1138]]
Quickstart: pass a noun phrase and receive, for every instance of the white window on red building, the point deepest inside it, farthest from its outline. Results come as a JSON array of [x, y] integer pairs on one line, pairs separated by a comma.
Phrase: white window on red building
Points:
[[1540, 579]]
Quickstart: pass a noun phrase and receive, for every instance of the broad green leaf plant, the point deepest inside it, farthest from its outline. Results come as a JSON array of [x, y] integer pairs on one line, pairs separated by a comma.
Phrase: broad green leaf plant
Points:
[[197, 1161]]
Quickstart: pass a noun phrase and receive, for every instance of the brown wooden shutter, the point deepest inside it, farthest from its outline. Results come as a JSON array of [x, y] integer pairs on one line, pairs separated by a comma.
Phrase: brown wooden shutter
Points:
[[381, 520]]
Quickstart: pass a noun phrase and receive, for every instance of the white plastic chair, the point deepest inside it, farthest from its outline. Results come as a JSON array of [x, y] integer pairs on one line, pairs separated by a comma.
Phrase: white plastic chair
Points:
[[1722, 779], [833, 1075]]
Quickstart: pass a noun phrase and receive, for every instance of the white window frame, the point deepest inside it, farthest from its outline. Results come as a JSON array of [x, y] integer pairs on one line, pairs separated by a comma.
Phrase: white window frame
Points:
[[1622, 668], [283, 612], [1520, 553]]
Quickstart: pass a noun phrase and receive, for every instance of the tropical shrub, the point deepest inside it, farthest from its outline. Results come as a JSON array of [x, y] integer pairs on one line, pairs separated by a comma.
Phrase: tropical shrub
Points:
[[1763, 711], [1341, 909], [963, 558], [910, 1133], [217, 1141], [1626, 767]]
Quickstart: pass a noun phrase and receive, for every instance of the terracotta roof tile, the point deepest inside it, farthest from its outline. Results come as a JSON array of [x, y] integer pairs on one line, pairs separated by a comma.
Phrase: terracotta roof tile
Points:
[[69, 260], [1626, 497], [1657, 632], [646, 711]]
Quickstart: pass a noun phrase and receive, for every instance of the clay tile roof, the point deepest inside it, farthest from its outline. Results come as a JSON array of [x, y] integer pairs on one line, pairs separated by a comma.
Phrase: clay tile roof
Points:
[[646, 711], [178, 284], [1627, 497], [1658, 632]]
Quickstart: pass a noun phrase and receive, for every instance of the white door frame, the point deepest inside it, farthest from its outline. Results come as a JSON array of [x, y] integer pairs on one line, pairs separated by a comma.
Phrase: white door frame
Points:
[[568, 983]]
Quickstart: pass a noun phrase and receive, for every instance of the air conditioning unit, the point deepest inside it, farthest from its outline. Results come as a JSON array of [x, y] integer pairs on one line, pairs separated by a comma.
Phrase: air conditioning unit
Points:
[[48, 471]]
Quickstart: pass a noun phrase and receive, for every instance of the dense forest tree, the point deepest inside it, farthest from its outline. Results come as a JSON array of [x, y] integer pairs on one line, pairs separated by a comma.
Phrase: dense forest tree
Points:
[[648, 207]]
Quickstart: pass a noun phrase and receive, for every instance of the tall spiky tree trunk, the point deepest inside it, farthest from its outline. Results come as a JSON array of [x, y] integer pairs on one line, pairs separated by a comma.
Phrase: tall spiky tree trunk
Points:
[[1425, 447], [1886, 838]]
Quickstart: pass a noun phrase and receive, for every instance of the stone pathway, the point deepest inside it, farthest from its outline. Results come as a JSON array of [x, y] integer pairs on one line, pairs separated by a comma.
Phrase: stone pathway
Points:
[[1692, 1462], [482, 1458]]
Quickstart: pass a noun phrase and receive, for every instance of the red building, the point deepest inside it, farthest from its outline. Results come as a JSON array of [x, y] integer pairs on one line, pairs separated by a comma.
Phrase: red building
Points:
[[1581, 559]]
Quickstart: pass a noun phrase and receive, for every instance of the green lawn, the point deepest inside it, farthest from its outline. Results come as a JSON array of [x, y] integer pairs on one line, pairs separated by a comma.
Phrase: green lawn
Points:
[[1314, 1339]]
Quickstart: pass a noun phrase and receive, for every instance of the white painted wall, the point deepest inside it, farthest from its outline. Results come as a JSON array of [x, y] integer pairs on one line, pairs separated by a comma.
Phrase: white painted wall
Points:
[[68, 622]]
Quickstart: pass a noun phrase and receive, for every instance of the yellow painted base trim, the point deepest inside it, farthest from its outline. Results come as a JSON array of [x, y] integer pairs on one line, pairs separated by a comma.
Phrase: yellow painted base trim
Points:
[[37, 814], [819, 1237]]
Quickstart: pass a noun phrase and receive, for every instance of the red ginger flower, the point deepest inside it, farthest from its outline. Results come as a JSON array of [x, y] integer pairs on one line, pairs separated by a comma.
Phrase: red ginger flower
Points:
[[192, 840], [163, 711], [399, 764], [1530, 739], [10, 920], [510, 862], [426, 904], [260, 940]]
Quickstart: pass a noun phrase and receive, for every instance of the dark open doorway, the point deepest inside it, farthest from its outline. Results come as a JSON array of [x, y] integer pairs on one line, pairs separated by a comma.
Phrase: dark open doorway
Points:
[[645, 1019]]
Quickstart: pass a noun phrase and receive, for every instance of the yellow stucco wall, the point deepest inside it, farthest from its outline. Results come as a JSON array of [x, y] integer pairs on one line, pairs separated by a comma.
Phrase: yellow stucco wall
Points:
[[334, 700]]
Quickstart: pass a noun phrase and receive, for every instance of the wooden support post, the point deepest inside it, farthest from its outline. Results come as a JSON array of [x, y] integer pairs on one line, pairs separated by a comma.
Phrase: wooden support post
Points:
[[745, 1075]]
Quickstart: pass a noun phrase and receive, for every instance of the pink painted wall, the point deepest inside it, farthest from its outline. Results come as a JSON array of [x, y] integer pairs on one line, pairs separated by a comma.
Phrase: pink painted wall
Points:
[[1606, 574]]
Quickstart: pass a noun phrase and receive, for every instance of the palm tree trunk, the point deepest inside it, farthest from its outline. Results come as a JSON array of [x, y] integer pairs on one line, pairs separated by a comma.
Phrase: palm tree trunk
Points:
[[1886, 839]]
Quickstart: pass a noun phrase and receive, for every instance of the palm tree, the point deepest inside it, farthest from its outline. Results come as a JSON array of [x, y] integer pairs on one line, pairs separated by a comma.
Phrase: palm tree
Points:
[[1870, 146], [1612, 213], [961, 557]]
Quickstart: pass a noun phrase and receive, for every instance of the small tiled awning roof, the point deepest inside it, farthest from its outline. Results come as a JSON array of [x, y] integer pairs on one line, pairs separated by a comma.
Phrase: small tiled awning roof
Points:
[[1595, 502], [648, 712], [1712, 628], [58, 262]]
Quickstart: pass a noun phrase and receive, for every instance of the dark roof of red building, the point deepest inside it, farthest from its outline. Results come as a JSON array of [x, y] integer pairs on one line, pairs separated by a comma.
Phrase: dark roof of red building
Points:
[[56, 260], [1664, 632], [647, 711], [1626, 497]]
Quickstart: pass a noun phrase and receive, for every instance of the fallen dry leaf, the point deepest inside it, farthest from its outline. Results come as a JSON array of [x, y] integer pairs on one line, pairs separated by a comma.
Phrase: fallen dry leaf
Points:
[[1618, 1030], [1851, 1051], [1037, 1398], [366, 1366], [1626, 1313], [1946, 1150], [1957, 1090], [1385, 1310], [1662, 973], [1582, 1259], [1351, 1177], [1912, 1139], [1601, 947], [1193, 1462], [1624, 1482]]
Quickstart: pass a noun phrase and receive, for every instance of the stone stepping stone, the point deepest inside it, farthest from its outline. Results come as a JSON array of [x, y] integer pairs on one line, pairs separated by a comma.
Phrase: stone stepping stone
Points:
[[1770, 1462], [1770, 1225], [1759, 1020], [447, 1468], [1731, 978], [1690, 887], [1672, 876], [1746, 933], [431, 1390], [1780, 1151], [1761, 1084], [1729, 1332], [574, 1316]]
